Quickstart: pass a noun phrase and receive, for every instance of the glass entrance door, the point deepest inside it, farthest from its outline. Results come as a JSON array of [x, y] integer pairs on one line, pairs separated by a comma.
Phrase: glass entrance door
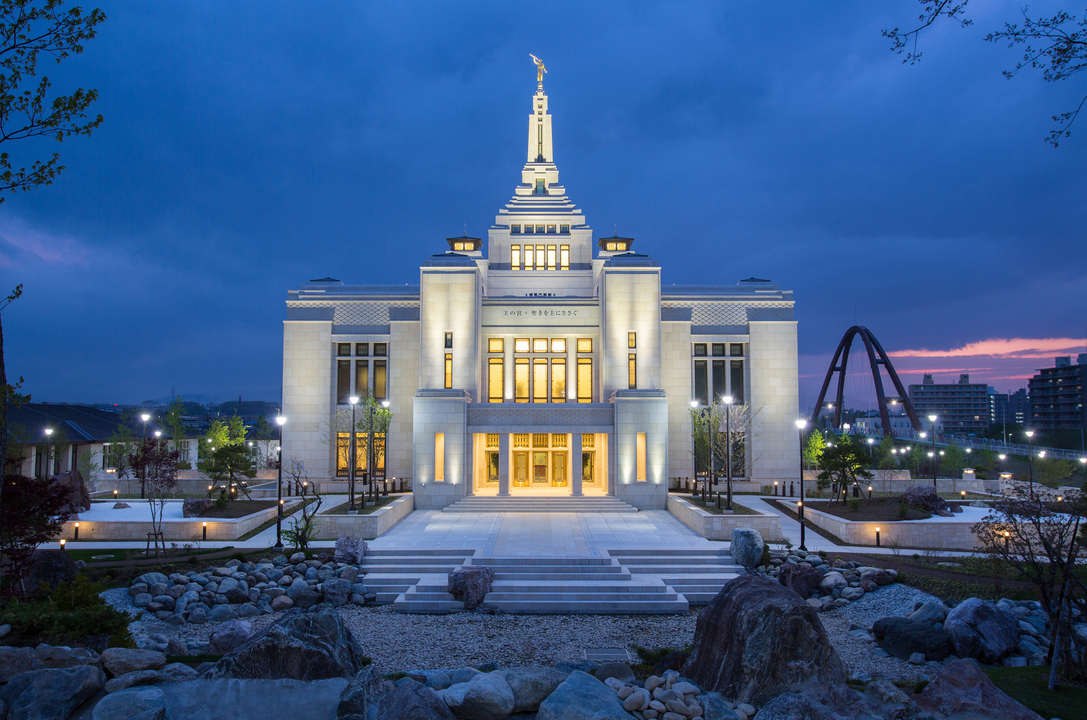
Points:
[[539, 467], [588, 460], [520, 466], [492, 466], [558, 469]]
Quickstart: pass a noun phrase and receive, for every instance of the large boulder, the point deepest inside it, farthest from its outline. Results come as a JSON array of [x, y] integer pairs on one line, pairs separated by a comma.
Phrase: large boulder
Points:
[[79, 499], [411, 700], [228, 636], [362, 694], [981, 630], [903, 637], [300, 645], [195, 507], [15, 660], [531, 685], [961, 687], [487, 696], [150, 578], [747, 547], [49, 567], [119, 661], [337, 591], [349, 550], [582, 697], [757, 639], [470, 584], [130, 703], [933, 611], [801, 579], [924, 497], [50, 693]]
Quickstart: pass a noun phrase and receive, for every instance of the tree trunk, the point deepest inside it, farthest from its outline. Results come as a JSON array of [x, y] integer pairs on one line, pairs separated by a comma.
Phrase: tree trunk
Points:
[[1057, 638]]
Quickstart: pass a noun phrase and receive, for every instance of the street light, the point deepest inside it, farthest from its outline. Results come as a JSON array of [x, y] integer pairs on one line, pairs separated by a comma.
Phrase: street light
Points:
[[727, 400], [45, 462], [145, 417], [801, 423], [932, 419], [280, 419], [1030, 453], [354, 400], [871, 455]]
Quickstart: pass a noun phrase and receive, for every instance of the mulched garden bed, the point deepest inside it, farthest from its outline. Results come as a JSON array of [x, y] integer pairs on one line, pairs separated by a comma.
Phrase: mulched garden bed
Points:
[[876, 509], [238, 508]]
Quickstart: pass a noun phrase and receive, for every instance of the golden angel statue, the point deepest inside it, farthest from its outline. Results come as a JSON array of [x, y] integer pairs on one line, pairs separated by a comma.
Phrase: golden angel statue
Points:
[[540, 69]]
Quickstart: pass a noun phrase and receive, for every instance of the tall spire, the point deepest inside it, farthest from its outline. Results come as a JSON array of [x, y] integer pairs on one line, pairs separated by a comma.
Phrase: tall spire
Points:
[[539, 122]]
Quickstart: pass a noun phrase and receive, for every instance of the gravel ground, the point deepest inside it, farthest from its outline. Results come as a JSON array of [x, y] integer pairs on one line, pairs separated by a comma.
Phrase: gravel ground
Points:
[[399, 642]]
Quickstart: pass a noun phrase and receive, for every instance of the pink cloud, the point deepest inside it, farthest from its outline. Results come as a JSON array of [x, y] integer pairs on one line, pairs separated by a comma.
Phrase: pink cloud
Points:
[[36, 245], [1021, 348]]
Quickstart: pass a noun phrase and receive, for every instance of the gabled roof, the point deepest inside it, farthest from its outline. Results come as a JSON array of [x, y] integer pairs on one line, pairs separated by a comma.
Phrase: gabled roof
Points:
[[80, 423]]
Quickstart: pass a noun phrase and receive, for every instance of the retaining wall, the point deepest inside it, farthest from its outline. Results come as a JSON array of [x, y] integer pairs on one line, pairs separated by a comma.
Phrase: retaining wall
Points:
[[369, 526], [187, 529], [720, 527], [933, 534]]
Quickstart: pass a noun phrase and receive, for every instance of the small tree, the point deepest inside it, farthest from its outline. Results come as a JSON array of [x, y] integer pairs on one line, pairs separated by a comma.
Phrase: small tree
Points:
[[888, 465], [229, 465], [374, 422], [174, 422], [303, 530], [953, 460], [156, 462], [813, 448], [33, 512], [88, 467], [1050, 471], [118, 452], [842, 464]]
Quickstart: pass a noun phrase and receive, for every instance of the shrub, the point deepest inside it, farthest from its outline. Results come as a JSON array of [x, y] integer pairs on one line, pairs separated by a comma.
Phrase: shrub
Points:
[[222, 501], [854, 505], [72, 613], [239, 556], [767, 559], [903, 510]]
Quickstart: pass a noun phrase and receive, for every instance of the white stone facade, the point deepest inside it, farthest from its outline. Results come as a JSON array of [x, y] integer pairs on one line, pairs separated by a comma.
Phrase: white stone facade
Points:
[[540, 365]]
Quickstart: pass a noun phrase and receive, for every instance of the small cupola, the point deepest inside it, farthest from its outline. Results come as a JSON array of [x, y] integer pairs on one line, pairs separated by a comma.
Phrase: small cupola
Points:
[[614, 244], [465, 244]]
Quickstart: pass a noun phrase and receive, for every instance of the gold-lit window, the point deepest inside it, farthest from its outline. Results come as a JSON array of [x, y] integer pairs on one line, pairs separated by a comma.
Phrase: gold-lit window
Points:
[[564, 255], [539, 380], [515, 257], [584, 380], [448, 371], [641, 477], [558, 345], [612, 246], [588, 440], [539, 440], [551, 257], [494, 345], [632, 371], [584, 345], [520, 345], [558, 381], [439, 457], [520, 380], [539, 345], [632, 339], [558, 440], [520, 440], [494, 380], [540, 262], [492, 440]]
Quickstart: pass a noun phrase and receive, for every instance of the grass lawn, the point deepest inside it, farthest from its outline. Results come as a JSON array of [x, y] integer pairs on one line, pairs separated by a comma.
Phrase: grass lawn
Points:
[[1028, 686], [122, 554], [959, 588], [240, 508], [371, 506], [877, 509]]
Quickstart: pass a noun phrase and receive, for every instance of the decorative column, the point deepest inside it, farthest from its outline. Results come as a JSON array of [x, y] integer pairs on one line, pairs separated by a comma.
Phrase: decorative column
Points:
[[504, 465], [612, 473], [469, 464], [571, 369], [575, 464]]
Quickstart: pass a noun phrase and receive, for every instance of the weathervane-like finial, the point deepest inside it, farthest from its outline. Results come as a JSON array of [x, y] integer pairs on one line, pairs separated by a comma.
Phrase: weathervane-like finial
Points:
[[540, 69]]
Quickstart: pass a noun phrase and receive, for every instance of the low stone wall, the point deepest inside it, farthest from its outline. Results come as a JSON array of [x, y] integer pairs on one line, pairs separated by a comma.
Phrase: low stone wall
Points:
[[188, 529], [369, 526], [720, 527], [935, 534]]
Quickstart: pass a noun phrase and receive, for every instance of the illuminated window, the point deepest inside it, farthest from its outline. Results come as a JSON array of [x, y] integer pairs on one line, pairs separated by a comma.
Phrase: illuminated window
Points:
[[439, 457], [540, 262], [558, 381], [588, 440], [564, 256], [362, 378], [611, 246], [520, 380], [343, 451], [449, 341], [558, 345], [632, 339], [494, 380], [515, 257], [700, 349], [539, 345], [539, 440], [558, 440], [551, 255], [718, 349], [448, 371], [343, 349], [343, 381], [539, 380], [584, 380], [632, 371], [520, 440], [380, 378], [494, 345], [584, 345], [362, 349], [520, 345], [492, 440], [641, 457], [381, 349]]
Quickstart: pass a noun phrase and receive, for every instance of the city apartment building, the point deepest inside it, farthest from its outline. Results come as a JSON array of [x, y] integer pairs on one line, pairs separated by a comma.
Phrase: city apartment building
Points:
[[962, 407], [1058, 395]]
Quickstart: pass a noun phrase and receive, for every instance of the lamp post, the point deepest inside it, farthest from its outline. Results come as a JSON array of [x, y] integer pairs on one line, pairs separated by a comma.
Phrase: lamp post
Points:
[[707, 415], [871, 453], [145, 417], [932, 419], [354, 400], [801, 423], [727, 399], [45, 461], [1030, 453], [280, 419]]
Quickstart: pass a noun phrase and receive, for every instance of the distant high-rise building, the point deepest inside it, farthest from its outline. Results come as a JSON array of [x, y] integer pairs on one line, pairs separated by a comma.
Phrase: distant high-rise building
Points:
[[999, 413], [962, 408], [1018, 407], [1058, 395]]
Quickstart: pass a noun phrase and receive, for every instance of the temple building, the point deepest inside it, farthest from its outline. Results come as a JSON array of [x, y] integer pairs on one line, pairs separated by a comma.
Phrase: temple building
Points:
[[545, 360]]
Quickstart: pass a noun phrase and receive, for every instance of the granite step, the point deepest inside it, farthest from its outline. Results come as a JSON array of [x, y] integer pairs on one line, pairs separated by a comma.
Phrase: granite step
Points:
[[542, 504]]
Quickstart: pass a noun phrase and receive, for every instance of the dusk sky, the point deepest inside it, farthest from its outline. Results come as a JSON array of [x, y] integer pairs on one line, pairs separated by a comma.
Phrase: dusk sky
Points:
[[250, 147]]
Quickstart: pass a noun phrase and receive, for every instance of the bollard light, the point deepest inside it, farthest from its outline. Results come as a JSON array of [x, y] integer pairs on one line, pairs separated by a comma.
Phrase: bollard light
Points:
[[205, 529], [62, 544], [775, 488], [1060, 498], [963, 496], [877, 537], [1007, 537], [114, 494], [76, 536], [869, 493]]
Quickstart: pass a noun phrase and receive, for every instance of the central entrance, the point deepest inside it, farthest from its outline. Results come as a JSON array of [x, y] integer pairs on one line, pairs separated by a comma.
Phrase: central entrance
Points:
[[539, 462]]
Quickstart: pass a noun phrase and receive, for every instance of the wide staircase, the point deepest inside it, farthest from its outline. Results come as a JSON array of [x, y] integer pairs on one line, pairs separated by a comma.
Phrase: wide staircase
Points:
[[541, 504], [391, 574], [697, 574]]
